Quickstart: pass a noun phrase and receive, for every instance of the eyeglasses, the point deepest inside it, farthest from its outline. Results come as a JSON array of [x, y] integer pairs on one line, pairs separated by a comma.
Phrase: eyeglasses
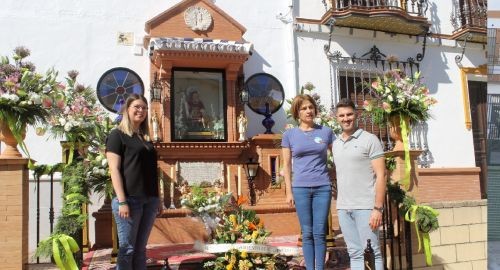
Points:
[[140, 108]]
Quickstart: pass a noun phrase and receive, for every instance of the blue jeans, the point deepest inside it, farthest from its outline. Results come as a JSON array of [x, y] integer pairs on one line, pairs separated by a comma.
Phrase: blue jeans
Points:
[[133, 232], [313, 205], [356, 230]]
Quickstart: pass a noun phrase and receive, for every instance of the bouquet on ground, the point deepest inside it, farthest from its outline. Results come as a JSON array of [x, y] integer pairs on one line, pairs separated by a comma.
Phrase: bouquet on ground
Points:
[[209, 205]]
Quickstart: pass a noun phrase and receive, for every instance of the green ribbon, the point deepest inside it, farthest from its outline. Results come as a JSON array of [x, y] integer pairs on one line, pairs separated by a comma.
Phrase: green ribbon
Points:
[[69, 246], [71, 150], [405, 182], [411, 216]]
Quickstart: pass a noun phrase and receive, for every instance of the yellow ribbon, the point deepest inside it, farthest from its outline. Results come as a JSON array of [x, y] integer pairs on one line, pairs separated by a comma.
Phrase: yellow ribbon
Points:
[[411, 216], [405, 182], [69, 247]]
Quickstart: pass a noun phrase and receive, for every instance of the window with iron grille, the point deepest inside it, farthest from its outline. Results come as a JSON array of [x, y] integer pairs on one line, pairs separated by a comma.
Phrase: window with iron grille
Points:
[[493, 129], [351, 78], [492, 50]]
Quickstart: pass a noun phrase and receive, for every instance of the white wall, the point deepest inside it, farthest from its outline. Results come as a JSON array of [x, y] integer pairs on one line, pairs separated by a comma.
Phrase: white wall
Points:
[[494, 88]]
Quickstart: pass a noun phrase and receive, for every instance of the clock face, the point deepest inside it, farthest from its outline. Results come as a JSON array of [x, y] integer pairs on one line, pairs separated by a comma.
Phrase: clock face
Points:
[[197, 18], [115, 85]]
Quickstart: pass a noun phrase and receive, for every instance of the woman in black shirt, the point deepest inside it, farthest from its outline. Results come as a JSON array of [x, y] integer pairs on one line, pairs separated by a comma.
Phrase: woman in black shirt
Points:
[[133, 162]]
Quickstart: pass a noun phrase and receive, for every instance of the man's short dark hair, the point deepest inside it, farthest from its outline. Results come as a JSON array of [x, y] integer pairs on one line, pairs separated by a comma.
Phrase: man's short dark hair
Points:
[[345, 102]]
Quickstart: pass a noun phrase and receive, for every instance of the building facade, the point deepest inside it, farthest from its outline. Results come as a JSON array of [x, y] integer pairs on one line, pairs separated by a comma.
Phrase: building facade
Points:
[[221, 44]]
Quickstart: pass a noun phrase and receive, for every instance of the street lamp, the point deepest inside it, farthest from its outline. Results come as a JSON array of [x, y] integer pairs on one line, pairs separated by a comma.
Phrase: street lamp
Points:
[[251, 168], [155, 90], [244, 96]]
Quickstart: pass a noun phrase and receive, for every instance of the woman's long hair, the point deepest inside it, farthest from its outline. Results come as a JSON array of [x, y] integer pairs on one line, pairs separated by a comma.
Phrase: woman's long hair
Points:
[[126, 124]]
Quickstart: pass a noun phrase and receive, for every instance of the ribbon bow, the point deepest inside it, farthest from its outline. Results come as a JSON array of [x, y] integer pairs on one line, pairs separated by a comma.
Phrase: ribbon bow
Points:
[[69, 246], [405, 130], [411, 216]]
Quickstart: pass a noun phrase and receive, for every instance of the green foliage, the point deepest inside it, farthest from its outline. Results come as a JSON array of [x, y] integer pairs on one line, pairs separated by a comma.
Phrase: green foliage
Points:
[[426, 217], [390, 164]]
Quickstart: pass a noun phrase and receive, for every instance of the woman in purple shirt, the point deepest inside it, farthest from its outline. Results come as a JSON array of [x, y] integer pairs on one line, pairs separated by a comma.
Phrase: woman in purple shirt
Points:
[[307, 146]]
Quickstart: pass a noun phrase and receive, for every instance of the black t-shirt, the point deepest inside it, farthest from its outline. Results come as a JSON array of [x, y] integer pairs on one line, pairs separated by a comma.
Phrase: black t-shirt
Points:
[[139, 163]]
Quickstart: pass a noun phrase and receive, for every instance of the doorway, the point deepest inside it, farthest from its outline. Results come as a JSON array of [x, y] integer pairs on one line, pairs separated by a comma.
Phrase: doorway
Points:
[[478, 107]]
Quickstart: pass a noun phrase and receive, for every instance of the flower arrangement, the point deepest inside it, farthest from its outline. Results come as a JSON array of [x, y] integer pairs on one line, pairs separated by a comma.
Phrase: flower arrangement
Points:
[[208, 205], [76, 117], [240, 224], [242, 260], [397, 94], [202, 201], [22, 91]]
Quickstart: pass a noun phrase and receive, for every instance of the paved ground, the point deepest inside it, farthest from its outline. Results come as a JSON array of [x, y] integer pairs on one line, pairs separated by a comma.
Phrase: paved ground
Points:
[[101, 259], [494, 255]]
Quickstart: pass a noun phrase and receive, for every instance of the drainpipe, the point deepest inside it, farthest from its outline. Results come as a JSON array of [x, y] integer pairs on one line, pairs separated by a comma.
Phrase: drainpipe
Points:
[[289, 20]]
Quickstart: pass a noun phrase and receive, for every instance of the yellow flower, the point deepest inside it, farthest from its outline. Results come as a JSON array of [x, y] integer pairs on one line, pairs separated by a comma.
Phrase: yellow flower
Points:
[[233, 220], [244, 254], [229, 266], [255, 234]]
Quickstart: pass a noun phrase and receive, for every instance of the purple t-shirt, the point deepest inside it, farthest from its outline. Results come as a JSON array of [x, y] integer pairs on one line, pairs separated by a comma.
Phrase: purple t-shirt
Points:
[[309, 153]]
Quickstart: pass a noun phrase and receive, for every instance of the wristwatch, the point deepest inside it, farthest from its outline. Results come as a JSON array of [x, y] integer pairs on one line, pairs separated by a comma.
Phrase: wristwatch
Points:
[[380, 209]]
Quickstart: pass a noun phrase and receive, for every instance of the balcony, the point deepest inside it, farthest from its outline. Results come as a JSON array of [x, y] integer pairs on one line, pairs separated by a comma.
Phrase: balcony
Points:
[[469, 19], [392, 16]]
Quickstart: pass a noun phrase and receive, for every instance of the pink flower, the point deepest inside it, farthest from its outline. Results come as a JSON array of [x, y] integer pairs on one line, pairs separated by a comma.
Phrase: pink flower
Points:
[[86, 111], [386, 106], [47, 102], [60, 103], [375, 84]]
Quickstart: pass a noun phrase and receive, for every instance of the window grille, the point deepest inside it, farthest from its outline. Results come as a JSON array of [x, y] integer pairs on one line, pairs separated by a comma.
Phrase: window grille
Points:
[[351, 78]]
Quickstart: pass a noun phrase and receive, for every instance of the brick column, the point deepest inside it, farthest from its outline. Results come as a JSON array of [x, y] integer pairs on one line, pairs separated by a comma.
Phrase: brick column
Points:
[[14, 205]]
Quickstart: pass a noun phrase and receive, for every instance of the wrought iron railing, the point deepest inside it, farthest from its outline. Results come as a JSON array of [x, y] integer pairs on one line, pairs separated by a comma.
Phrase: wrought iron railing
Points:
[[396, 238], [469, 13], [350, 77], [493, 48], [412, 7]]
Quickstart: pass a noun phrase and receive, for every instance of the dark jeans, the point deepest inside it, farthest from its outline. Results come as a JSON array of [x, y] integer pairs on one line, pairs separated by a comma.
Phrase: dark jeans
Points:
[[133, 232], [312, 205]]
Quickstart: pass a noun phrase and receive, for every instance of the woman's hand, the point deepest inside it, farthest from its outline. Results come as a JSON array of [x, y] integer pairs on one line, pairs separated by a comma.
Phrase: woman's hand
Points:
[[124, 211], [289, 200]]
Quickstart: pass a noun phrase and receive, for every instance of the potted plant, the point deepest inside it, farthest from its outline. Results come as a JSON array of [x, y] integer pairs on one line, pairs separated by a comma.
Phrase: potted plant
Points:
[[22, 95]]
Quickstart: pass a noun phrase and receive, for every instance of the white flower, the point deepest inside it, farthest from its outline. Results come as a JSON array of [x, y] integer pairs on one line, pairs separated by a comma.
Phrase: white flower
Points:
[[35, 98], [68, 126], [62, 121], [104, 162]]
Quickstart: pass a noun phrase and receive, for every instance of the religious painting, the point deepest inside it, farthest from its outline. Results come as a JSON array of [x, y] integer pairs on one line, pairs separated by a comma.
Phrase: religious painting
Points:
[[198, 105]]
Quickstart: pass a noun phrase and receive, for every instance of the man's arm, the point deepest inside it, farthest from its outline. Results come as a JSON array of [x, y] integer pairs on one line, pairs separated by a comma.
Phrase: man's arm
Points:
[[378, 166]]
